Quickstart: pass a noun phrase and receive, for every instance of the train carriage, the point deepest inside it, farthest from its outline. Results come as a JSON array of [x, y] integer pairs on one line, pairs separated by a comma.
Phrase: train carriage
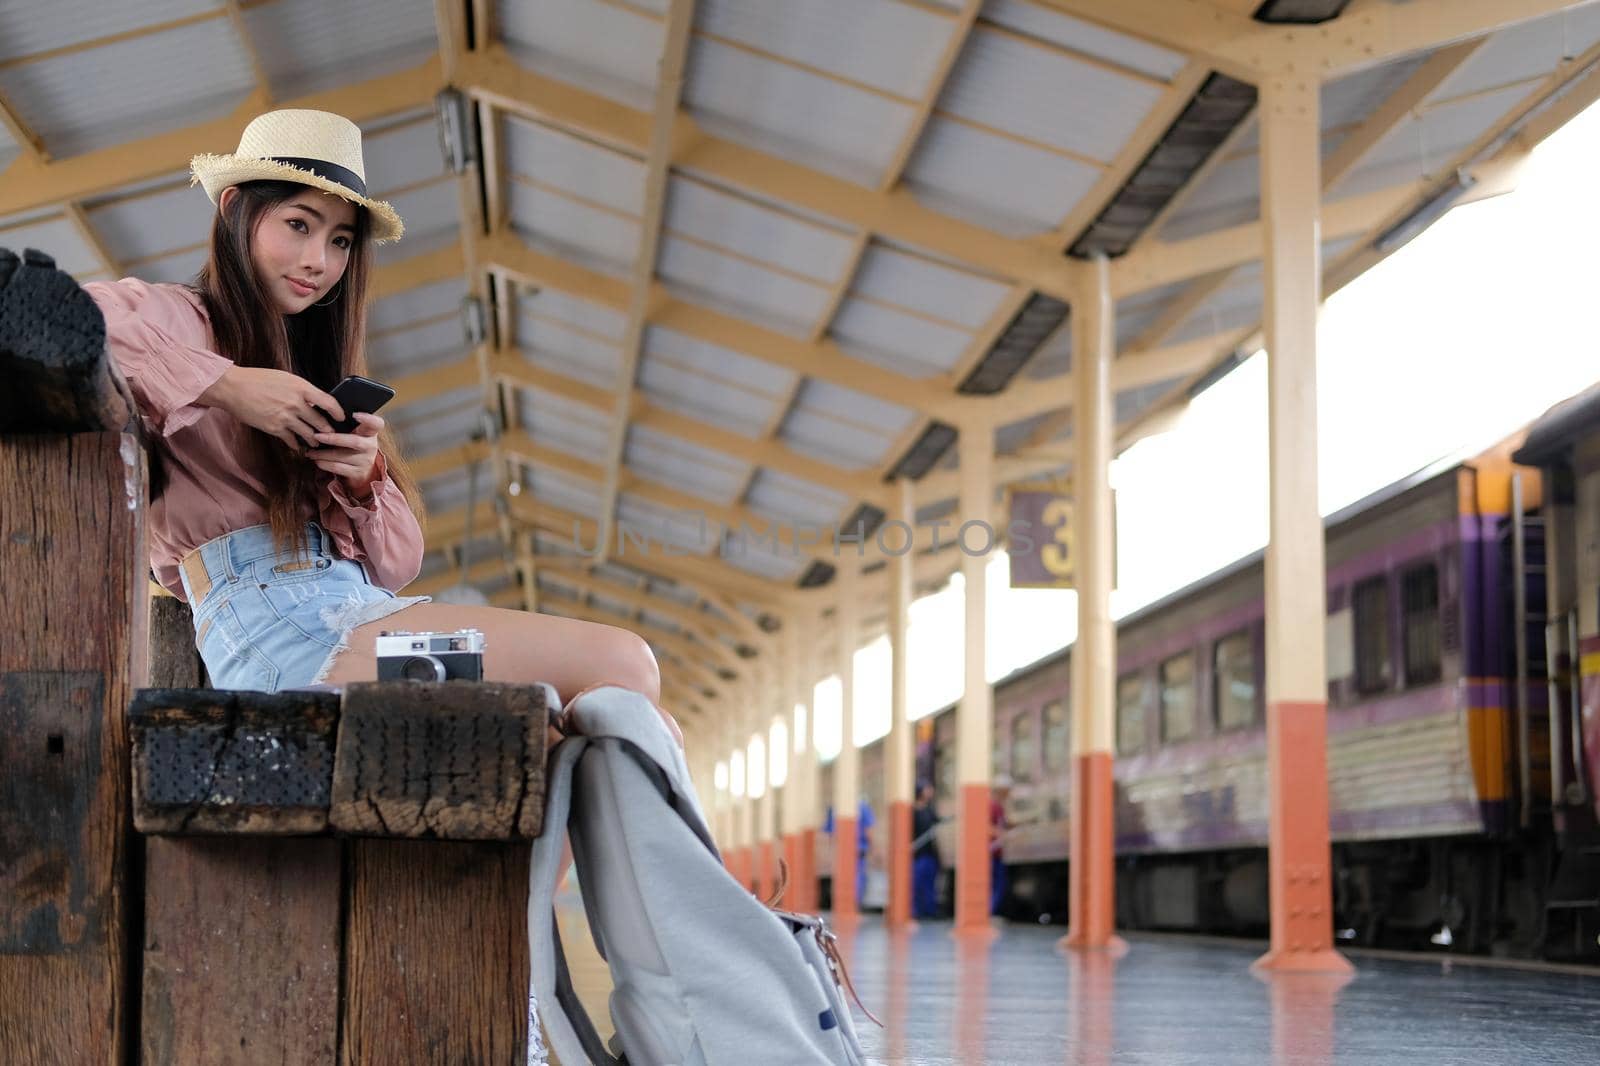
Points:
[[1439, 719]]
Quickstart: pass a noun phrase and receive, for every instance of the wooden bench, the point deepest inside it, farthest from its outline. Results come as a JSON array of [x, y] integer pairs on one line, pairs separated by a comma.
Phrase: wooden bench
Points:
[[191, 876]]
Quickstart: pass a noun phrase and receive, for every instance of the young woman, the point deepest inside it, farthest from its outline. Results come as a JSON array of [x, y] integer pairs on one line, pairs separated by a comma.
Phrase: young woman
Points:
[[287, 539]]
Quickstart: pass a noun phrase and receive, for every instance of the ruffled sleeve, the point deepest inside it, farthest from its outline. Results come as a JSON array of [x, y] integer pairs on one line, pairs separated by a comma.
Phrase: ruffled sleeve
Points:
[[158, 341], [380, 530]]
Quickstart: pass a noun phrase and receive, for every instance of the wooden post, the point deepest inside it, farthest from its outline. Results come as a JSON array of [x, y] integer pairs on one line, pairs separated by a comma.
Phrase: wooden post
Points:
[[974, 717], [1298, 856], [899, 752], [1091, 871], [73, 592]]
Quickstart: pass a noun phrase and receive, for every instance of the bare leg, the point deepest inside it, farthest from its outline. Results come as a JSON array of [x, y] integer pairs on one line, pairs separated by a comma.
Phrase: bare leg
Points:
[[522, 648]]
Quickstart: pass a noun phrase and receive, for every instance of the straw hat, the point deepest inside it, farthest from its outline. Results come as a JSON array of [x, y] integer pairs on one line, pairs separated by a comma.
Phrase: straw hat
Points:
[[315, 148]]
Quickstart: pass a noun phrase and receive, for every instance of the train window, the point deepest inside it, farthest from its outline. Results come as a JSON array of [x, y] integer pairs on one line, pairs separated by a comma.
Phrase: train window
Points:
[[1130, 714], [1419, 603], [1370, 601], [1234, 678], [1024, 746], [1177, 697], [1057, 736]]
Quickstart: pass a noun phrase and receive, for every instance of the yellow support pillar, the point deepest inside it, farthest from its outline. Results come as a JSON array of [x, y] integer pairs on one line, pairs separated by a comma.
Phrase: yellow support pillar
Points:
[[1298, 857], [1091, 870], [846, 768], [974, 716], [901, 755]]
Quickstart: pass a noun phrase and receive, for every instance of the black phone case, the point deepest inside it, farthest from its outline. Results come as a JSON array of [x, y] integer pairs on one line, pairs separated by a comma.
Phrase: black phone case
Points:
[[359, 394]]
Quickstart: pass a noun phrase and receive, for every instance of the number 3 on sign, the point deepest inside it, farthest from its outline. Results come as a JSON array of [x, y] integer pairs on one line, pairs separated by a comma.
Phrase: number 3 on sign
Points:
[[1057, 555]]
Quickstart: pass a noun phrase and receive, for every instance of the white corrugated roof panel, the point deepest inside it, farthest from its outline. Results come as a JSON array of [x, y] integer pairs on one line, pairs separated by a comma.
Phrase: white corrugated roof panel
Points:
[[153, 225], [555, 489], [602, 47], [551, 420], [435, 423], [427, 211], [406, 350], [755, 376], [56, 236], [547, 340], [128, 90], [402, 154], [588, 235], [308, 46], [648, 523], [1230, 195], [741, 225], [842, 426], [1426, 145], [703, 395], [920, 284], [574, 165], [1129, 404], [1035, 20], [605, 322], [792, 500], [763, 563], [1016, 189], [902, 342], [685, 466], [890, 46], [1046, 96], [424, 301], [705, 275], [842, 130], [28, 28], [1530, 50]]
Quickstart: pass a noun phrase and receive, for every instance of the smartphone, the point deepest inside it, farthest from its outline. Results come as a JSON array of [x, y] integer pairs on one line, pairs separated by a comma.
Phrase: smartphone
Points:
[[356, 393]]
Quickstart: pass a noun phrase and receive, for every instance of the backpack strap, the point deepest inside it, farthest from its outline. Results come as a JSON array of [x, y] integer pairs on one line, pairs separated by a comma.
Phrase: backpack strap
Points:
[[573, 1035]]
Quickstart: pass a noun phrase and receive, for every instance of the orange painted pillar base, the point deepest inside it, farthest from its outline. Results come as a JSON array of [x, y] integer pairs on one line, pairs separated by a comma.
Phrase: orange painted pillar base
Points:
[[972, 863], [846, 908], [1091, 871], [1303, 1008], [808, 870], [898, 914], [1299, 858]]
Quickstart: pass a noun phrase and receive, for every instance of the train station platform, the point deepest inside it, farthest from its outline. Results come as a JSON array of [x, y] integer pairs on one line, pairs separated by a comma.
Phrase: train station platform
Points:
[[1175, 1001]]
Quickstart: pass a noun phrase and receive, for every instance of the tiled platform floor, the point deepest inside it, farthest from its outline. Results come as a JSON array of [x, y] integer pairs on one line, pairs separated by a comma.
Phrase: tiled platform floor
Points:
[[1174, 1002]]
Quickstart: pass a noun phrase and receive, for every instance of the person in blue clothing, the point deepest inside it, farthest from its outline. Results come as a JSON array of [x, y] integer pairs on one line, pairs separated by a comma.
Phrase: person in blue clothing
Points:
[[925, 866], [864, 823]]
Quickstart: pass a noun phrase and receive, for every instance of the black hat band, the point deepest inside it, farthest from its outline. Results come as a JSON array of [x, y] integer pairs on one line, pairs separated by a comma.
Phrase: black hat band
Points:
[[323, 169]]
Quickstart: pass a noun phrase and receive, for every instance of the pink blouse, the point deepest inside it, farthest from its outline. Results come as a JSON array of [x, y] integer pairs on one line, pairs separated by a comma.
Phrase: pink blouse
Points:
[[160, 337]]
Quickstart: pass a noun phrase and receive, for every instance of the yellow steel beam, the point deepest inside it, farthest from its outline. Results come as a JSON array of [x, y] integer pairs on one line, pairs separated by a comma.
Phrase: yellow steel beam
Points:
[[28, 184], [669, 87]]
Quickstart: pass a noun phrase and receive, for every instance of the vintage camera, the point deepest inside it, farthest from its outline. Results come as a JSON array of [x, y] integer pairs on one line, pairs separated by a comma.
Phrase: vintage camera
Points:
[[454, 656]]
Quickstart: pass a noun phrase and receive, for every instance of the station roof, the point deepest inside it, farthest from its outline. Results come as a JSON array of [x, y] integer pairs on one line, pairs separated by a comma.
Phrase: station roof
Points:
[[752, 260]]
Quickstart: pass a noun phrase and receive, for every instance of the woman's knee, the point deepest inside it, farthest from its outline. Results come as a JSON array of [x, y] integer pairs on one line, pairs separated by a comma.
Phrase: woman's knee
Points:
[[629, 662]]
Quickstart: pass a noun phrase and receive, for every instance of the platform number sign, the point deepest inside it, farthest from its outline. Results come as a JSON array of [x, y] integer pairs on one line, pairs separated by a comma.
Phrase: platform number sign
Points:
[[1040, 538]]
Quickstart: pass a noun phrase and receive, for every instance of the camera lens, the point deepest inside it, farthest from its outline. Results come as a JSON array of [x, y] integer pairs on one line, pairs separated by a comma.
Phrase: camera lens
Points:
[[422, 668]]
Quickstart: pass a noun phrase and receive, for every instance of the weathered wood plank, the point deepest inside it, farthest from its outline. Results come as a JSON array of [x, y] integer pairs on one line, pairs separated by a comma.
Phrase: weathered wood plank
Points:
[[436, 954], [174, 662], [241, 952], [72, 602], [211, 761], [448, 759]]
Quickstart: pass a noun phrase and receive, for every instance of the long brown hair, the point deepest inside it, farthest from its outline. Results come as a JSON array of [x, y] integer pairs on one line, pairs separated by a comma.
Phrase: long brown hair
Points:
[[322, 344]]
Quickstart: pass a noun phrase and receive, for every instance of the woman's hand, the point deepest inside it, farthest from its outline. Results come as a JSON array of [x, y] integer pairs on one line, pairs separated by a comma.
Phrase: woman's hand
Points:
[[276, 402], [352, 456]]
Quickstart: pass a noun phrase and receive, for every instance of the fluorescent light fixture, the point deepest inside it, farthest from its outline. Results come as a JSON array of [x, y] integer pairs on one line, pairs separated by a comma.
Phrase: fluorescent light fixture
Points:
[[455, 140], [1431, 210]]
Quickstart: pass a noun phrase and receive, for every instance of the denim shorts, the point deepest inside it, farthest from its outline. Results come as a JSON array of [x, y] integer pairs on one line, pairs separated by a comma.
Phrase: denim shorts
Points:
[[271, 621]]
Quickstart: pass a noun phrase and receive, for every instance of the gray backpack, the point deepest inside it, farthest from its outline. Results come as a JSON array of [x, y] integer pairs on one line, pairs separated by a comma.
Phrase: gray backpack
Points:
[[703, 974]]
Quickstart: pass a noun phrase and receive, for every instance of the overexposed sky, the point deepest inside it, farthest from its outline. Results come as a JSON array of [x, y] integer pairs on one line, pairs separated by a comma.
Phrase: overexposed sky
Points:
[[1455, 341]]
